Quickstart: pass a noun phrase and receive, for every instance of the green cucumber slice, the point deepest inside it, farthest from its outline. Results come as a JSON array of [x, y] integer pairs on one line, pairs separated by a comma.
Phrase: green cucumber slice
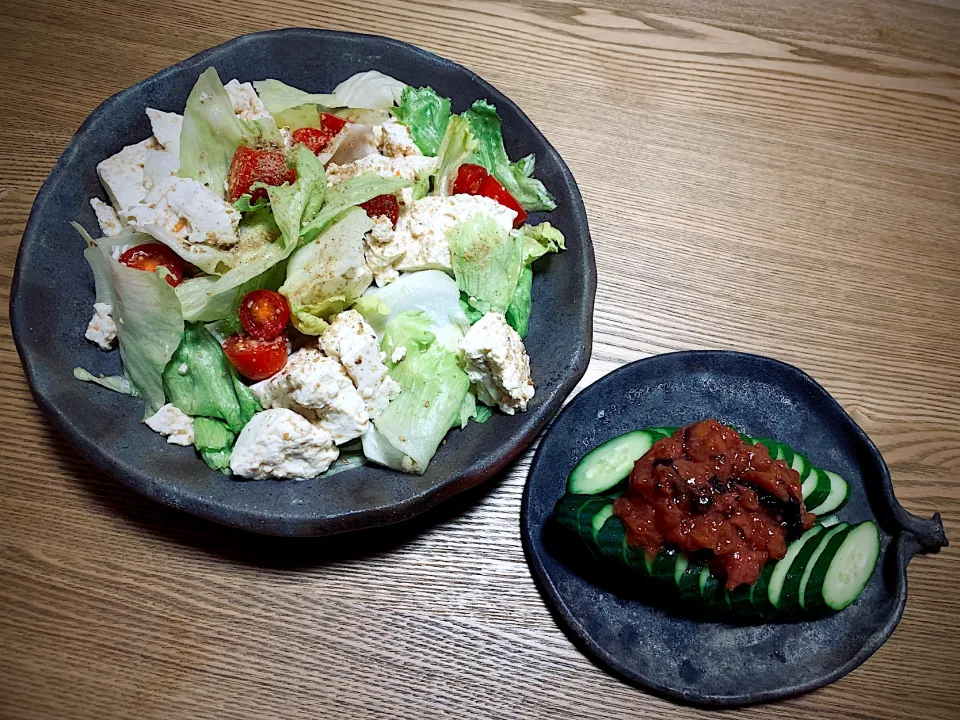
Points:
[[789, 600], [815, 488], [611, 539], [665, 431], [852, 566], [825, 539], [604, 467], [599, 519], [566, 512], [836, 499], [759, 595], [800, 464], [711, 590], [780, 570], [785, 453], [772, 446], [689, 583], [683, 562]]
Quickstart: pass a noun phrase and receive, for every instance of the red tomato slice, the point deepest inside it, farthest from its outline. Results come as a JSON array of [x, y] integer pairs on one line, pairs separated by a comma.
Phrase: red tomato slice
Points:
[[469, 179], [491, 188], [383, 205], [264, 314], [251, 166], [151, 256], [256, 359], [316, 139]]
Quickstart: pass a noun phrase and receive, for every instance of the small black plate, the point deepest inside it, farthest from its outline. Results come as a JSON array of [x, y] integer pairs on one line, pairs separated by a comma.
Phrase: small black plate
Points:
[[710, 663], [52, 296]]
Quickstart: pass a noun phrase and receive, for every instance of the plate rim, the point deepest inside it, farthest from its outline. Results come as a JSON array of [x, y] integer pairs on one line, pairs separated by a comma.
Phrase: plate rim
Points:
[[169, 492], [911, 535]]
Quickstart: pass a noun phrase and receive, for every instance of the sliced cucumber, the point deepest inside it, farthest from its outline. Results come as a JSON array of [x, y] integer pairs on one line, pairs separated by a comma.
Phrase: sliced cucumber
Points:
[[779, 576], [689, 583], [604, 467], [836, 499], [851, 568], [825, 539], [800, 464], [599, 519], [789, 600], [662, 566], [759, 595], [612, 538], [567, 511], [711, 589], [683, 562], [813, 588], [815, 488], [785, 453], [664, 431]]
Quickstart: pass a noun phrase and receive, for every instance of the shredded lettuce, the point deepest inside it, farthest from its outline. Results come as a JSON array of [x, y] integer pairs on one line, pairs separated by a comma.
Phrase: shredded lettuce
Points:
[[200, 381], [457, 146], [244, 205], [302, 116], [411, 329], [538, 240], [146, 311], [293, 205], [473, 315], [326, 275], [427, 115], [486, 260], [117, 383], [369, 90], [518, 312], [278, 97], [482, 414], [212, 132], [515, 177], [348, 193]]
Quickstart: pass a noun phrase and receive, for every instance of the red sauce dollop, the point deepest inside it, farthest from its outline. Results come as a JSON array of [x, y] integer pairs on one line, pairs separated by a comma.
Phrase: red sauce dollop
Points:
[[704, 490]]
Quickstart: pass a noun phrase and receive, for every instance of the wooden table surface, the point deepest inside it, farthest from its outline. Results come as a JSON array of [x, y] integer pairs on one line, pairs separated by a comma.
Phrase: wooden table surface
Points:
[[775, 177]]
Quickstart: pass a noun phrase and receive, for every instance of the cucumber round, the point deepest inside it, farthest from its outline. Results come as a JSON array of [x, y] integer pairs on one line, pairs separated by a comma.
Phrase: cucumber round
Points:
[[665, 431], [836, 499], [785, 453], [812, 563], [611, 539], [689, 583], [759, 595], [792, 583], [772, 446], [800, 464], [604, 467], [851, 568], [815, 488], [683, 562], [813, 587], [599, 519], [711, 590], [780, 570]]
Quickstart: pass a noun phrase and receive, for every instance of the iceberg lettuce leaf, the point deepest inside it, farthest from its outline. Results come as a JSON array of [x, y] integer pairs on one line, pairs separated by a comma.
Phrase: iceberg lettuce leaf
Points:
[[277, 96], [349, 193], [456, 147], [486, 260], [370, 90], [427, 115], [518, 312], [214, 440], [538, 240]]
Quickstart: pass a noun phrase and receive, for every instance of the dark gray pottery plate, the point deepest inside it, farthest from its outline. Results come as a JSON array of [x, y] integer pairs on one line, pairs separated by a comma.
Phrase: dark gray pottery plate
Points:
[[710, 663], [53, 292]]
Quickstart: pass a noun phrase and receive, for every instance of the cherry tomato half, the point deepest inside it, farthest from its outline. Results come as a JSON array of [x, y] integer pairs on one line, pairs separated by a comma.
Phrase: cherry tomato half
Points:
[[150, 256], [316, 139], [469, 178], [491, 188], [264, 314], [256, 359], [383, 205], [250, 166]]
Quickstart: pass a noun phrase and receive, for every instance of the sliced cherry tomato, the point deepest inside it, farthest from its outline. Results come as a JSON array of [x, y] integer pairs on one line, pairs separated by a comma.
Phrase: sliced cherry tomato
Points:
[[264, 314], [318, 138], [491, 188], [469, 179], [251, 166], [256, 359], [153, 255], [383, 205]]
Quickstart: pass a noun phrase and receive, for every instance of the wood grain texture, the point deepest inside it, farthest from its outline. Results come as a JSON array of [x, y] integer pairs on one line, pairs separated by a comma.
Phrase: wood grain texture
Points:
[[781, 178]]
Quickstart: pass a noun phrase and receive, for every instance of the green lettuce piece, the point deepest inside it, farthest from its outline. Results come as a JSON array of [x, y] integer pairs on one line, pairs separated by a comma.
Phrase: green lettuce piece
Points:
[[278, 97], [486, 260], [483, 413], [212, 132], [427, 115], [411, 330], [117, 383], [214, 440], [329, 273], [457, 146], [518, 312], [422, 187], [349, 193], [515, 177], [468, 410], [296, 204], [473, 315], [146, 311], [200, 381], [244, 205], [432, 391], [538, 240], [302, 116]]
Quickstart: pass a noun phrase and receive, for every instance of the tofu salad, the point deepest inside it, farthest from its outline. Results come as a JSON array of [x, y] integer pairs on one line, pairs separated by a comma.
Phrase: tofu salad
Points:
[[302, 282]]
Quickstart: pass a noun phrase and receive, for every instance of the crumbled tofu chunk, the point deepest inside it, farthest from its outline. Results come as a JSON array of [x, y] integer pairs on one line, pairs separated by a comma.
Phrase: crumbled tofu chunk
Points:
[[318, 388], [419, 241], [188, 211], [107, 217], [497, 363], [394, 140], [122, 174], [410, 168], [174, 424], [399, 353], [350, 339], [102, 329], [246, 103], [166, 129], [279, 443]]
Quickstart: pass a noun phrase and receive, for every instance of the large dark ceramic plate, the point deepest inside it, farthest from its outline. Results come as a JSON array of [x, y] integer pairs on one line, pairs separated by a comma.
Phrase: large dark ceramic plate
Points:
[[53, 292], [712, 663]]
